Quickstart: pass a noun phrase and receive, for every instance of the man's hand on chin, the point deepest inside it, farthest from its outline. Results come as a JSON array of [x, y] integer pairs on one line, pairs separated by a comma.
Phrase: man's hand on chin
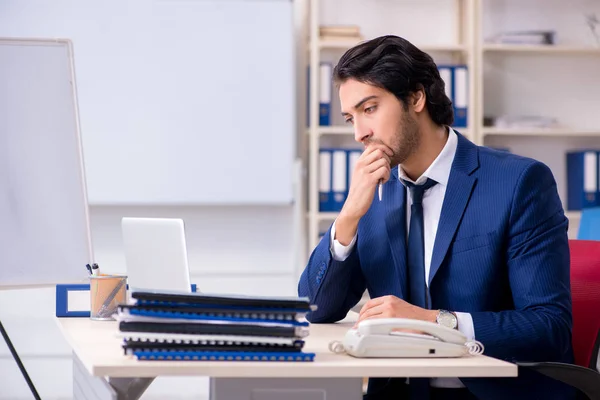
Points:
[[393, 307]]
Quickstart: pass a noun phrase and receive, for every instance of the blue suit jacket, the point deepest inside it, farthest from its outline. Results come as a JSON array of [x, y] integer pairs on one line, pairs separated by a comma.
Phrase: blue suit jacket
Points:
[[501, 253]]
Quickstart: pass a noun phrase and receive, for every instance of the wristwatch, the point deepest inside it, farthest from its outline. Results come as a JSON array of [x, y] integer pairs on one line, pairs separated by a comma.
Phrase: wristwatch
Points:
[[447, 319]]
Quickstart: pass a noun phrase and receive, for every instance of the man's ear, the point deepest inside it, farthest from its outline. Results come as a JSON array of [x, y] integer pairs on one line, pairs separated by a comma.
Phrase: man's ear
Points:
[[418, 99]]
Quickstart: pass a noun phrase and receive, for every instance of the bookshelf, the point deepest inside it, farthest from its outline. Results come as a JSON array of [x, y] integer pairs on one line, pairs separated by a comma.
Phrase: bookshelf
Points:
[[546, 80], [494, 78]]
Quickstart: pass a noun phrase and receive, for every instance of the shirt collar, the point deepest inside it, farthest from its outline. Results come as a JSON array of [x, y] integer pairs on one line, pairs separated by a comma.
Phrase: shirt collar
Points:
[[439, 170]]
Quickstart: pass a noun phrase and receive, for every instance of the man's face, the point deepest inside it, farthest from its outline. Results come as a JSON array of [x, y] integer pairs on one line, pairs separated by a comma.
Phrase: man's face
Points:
[[379, 117]]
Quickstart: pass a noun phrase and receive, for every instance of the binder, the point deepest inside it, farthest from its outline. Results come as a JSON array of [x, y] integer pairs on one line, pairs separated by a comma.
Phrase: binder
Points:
[[339, 181], [325, 94], [456, 87], [583, 189], [241, 302], [589, 225], [446, 75], [207, 312], [333, 179], [461, 96], [353, 156], [73, 300], [133, 314], [129, 345], [325, 172], [186, 339], [203, 328], [221, 356]]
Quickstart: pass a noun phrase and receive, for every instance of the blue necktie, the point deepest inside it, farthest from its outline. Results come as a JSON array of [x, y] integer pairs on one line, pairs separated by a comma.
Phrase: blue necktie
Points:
[[419, 387], [416, 246]]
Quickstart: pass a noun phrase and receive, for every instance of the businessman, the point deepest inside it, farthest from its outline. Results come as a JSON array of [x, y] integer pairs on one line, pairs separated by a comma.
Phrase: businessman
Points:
[[465, 236]]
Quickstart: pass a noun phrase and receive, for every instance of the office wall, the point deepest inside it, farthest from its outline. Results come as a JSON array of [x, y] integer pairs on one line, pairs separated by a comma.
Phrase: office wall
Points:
[[238, 249]]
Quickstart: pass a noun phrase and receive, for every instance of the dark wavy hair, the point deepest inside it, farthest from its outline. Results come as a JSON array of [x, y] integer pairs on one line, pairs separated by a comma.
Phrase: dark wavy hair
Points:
[[396, 65]]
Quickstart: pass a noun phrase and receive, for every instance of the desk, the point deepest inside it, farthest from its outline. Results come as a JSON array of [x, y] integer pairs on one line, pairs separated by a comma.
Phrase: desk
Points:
[[102, 371]]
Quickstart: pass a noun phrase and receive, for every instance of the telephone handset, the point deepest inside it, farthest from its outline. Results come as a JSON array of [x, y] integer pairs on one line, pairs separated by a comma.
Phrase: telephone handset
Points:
[[378, 338]]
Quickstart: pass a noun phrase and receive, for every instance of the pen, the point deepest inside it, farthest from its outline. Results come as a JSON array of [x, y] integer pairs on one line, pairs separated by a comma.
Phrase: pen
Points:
[[380, 188], [95, 269], [89, 268]]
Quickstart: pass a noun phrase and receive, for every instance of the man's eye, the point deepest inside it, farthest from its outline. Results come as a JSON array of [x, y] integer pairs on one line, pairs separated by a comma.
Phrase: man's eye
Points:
[[369, 110], [349, 120]]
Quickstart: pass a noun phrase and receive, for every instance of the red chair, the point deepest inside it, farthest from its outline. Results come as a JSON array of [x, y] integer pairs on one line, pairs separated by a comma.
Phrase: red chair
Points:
[[585, 293]]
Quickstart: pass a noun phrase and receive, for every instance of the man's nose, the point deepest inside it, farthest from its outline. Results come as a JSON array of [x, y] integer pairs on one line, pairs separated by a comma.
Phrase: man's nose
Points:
[[362, 133]]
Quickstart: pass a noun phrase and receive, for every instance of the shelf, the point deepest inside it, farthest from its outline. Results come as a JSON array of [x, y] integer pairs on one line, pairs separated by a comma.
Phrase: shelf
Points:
[[541, 49], [334, 130], [559, 132], [327, 216], [346, 44], [349, 130], [330, 216]]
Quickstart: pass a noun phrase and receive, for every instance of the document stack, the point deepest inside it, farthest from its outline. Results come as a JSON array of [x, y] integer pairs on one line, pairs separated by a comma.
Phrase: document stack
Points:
[[202, 327]]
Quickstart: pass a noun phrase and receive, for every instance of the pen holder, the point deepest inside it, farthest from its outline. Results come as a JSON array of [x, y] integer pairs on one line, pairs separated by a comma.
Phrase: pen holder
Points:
[[107, 292]]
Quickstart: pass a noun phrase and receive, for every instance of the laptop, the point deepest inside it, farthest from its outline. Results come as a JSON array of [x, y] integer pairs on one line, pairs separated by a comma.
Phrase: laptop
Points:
[[156, 254]]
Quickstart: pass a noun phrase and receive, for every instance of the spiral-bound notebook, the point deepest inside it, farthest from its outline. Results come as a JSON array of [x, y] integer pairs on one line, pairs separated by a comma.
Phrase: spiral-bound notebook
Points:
[[177, 299], [180, 338], [214, 350], [130, 345], [203, 328], [221, 356], [175, 313]]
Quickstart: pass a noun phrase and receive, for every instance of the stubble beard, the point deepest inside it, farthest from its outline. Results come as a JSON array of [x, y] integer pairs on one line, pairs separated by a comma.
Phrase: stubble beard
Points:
[[406, 140]]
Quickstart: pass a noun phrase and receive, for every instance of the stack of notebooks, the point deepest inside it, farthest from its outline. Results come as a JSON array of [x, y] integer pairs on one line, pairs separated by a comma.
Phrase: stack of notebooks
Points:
[[201, 327]]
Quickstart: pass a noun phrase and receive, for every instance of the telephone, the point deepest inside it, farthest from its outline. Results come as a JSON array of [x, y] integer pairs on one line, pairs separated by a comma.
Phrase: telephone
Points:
[[377, 338]]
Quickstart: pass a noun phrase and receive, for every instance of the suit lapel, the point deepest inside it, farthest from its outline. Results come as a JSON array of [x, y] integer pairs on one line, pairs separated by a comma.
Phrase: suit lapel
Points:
[[395, 219], [458, 193]]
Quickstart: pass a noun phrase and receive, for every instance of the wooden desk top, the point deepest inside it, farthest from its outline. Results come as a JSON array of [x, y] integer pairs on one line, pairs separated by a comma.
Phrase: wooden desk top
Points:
[[99, 349]]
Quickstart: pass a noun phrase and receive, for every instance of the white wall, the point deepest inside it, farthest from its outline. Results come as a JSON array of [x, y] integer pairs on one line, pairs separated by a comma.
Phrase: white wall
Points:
[[249, 249]]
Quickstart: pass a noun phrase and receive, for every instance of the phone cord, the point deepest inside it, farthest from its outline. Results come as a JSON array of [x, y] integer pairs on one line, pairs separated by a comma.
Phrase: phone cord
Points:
[[475, 347], [336, 346]]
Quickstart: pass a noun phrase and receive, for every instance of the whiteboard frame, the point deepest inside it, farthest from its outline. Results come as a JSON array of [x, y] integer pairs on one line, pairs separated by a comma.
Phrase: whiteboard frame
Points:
[[72, 76]]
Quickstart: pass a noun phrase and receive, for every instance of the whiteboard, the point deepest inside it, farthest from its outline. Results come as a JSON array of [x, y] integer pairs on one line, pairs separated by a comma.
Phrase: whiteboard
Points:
[[44, 228], [181, 101]]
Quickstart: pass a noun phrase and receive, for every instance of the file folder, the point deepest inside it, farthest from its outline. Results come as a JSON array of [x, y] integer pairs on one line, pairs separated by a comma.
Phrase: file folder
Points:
[[325, 169], [461, 96], [339, 181], [446, 75], [353, 156], [582, 179], [325, 93], [325, 88]]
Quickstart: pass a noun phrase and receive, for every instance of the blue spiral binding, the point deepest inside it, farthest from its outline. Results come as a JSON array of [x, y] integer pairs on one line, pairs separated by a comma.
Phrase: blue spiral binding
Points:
[[222, 356], [193, 316]]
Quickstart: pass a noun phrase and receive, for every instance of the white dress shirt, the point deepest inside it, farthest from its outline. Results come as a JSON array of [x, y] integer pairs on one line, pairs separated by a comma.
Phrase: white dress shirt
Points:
[[433, 199]]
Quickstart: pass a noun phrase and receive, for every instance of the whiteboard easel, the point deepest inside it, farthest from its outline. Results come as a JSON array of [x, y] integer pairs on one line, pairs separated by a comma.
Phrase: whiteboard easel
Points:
[[45, 231]]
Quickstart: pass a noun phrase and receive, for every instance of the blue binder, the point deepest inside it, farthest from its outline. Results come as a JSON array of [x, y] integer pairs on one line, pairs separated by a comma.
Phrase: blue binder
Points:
[[325, 93], [73, 300], [333, 179], [222, 356], [589, 225], [456, 80], [460, 94], [582, 179]]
